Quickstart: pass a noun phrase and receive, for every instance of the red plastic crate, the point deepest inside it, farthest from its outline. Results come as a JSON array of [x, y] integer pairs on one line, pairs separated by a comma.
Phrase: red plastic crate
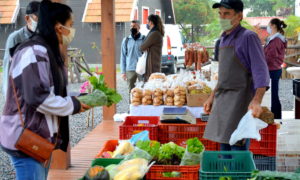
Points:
[[132, 125], [267, 145], [186, 172], [179, 133]]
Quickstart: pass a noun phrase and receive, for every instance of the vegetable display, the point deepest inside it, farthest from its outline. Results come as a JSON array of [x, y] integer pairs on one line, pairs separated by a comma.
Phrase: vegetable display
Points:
[[170, 154], [193, 152], [96, 173]]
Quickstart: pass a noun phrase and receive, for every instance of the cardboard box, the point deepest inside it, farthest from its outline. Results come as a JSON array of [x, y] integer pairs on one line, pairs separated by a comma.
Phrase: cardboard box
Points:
[[196, 100]]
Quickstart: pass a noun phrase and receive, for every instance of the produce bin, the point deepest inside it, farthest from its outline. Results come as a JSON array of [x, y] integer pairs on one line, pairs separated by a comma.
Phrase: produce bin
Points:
[[267, 145], [179, 133], [265, 163], [137, 124], [158, 172], [235, 164], [110, 145]]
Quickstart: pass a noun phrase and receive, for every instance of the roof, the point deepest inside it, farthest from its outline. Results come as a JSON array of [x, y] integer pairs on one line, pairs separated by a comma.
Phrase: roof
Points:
[[9, 10], [123, 11], [261, 21]]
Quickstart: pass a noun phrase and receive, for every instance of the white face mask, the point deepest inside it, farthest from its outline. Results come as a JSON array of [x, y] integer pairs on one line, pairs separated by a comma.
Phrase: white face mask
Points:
[[269, 30], [69, 38], [226, 24], [33, 25]]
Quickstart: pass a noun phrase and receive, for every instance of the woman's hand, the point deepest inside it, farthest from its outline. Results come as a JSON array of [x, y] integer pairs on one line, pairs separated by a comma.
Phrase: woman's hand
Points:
[[84, 107]]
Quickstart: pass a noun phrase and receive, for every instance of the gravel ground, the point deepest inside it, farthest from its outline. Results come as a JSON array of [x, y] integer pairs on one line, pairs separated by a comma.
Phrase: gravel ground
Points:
[[79, 128]]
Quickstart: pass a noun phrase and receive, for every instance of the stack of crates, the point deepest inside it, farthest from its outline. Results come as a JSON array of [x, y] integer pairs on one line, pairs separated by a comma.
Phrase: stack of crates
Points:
[[264, 151], [288, 146]]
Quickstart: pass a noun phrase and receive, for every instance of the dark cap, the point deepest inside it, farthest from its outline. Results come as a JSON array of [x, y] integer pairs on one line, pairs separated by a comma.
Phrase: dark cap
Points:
[[33, 8], [230, 4]]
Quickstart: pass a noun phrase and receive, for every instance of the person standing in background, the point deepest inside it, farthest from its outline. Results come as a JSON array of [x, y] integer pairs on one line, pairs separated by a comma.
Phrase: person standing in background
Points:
[[275, 51], [153, 45], [19, 36], [130, 53]]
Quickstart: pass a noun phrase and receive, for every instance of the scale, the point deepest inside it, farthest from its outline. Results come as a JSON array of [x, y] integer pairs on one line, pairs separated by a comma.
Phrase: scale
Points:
[[180, 115]]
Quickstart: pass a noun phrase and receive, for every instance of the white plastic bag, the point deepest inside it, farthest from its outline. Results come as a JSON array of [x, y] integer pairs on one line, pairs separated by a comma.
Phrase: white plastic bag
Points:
[[248, 128], [141, 64]]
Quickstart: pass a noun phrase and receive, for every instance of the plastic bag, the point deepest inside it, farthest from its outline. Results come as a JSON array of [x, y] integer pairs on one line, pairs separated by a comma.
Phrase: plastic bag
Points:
[[141, 64], [142, 136], [133, 169], [189, 158], [248, 128], [96, 98], [138, 153]]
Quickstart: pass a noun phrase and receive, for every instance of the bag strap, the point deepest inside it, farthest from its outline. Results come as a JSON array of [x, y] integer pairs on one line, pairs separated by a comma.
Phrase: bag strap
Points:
[[20, 113], [17, 102]]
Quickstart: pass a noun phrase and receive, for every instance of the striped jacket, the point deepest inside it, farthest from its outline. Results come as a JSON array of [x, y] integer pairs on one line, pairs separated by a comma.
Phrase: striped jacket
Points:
[[40, 106]]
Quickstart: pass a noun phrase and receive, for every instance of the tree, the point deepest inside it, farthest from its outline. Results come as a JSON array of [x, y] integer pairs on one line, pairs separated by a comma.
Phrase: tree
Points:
[[193, 15], [270, 7]]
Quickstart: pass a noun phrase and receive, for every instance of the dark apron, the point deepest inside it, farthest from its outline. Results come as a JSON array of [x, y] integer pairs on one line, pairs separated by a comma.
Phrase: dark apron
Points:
[[232, 98]]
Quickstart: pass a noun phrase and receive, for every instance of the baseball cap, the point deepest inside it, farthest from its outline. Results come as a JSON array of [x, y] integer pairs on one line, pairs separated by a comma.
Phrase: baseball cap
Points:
[[230, 4], [33, 8]]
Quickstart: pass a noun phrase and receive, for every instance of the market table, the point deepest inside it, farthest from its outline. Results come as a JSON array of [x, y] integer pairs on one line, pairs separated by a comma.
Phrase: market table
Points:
[[150, 110], [85, 151]]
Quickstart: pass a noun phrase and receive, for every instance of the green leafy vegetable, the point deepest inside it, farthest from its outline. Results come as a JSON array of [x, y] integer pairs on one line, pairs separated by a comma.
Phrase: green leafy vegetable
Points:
[[172, 174], [152, 147], [96, 98], [98, 84], [194, 145], [274, 175], [170, 153]]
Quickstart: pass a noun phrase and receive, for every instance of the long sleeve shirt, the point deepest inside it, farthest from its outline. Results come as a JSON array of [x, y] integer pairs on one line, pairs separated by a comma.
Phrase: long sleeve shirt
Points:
[[249, 50], [130, 53]]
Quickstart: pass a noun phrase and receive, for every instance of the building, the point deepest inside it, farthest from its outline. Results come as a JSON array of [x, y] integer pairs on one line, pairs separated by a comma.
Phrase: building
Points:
[[88, 21]]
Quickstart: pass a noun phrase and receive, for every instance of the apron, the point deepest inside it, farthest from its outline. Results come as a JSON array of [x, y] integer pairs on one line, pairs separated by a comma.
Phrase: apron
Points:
[[232, 98]]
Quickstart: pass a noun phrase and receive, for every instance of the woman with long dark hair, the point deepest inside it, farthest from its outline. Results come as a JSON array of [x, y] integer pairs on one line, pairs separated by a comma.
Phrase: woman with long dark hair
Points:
[[37, 87], [153, 45], [275, 52]]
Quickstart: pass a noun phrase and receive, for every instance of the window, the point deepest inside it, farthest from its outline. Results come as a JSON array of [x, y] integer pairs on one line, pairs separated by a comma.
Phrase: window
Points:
[[158, 12], [136, 14], [145, 15]]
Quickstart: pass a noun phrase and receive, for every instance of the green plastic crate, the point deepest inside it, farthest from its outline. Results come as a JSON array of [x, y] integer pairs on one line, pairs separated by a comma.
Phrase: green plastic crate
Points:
[[105, 162], [235, 164]]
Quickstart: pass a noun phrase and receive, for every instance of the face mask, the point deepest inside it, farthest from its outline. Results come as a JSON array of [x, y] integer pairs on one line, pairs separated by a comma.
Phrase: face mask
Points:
[[69, 38], [226, 24], [133, 31], [33, 25], [148, 26], [269, 30]]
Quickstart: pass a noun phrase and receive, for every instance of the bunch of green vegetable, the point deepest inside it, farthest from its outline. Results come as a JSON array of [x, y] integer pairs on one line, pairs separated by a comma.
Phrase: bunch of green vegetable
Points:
[[194, 145], [273, 175], [98, 84], [193, 153], [170, 154], [151, 147], [96, 98]]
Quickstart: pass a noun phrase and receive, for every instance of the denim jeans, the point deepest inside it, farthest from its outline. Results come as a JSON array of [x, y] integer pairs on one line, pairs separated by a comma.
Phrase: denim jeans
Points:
[[275, 101], [227, 147], [29, 169]]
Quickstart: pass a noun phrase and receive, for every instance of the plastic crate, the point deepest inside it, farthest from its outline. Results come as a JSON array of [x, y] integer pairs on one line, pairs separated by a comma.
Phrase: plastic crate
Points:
[[179, 133], [267, 145], [235, 164], [156, 172], [137, 124], [109, 145], [265, 163]]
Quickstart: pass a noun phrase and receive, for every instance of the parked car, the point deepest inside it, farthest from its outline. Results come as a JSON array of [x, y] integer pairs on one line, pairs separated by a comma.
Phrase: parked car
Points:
[[172, 50]]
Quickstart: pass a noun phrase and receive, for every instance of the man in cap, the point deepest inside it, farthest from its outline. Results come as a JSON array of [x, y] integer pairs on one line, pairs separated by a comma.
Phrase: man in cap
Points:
[[243, 77], [19, 36]]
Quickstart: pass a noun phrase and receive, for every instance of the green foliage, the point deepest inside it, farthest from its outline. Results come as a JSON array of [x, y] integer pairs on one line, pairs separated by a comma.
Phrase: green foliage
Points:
[[270, 7], [152, 147], [293, 26], [166, 151]]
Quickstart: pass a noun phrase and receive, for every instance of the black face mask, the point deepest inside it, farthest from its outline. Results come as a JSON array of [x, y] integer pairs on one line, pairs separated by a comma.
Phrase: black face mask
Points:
[[133, 31]]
